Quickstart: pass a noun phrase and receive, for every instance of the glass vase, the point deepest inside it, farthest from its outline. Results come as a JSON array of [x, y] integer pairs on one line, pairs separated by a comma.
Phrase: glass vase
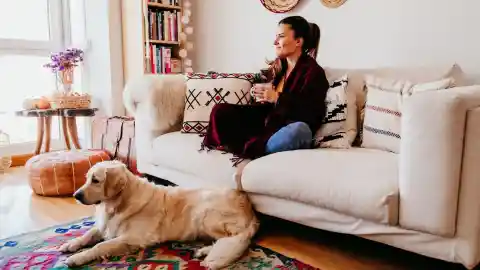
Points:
[[65, 79]]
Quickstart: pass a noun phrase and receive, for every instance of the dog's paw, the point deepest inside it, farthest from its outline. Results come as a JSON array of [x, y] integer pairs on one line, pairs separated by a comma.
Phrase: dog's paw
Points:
[[215, 263], [202, 252], [75, 260], [212, 264], [71, 246]]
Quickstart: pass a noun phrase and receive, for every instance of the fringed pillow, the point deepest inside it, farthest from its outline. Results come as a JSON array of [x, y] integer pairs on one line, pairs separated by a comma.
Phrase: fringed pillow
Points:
[[204, 90], [333, 133]]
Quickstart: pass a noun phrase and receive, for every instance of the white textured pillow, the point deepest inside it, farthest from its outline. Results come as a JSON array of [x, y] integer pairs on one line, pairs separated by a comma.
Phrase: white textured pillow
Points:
[[206, 90], [383, 109], [333, 133]]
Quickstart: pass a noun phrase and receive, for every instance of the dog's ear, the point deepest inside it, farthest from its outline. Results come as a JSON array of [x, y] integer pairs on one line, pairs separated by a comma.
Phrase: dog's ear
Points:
[[115, 178]]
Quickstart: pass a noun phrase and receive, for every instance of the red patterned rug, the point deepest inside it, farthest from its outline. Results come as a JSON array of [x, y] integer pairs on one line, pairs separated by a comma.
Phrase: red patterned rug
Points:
[[38, 251]]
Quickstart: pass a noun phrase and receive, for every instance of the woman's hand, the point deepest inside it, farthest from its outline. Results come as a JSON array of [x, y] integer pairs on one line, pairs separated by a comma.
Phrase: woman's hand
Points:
[[264, 92]]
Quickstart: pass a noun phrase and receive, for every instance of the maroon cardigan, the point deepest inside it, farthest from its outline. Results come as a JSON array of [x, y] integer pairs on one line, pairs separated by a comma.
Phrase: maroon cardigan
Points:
[[245, 129]]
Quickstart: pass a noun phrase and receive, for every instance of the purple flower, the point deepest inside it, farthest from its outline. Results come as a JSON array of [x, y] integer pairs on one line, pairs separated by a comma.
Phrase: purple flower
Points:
[[65, 59]]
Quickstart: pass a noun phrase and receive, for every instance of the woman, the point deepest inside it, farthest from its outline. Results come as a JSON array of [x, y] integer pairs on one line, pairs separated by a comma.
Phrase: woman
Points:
[[288, 110]]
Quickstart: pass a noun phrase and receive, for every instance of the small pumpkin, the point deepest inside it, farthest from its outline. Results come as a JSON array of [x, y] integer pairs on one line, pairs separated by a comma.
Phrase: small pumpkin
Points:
[[33, 103], [43, 103]]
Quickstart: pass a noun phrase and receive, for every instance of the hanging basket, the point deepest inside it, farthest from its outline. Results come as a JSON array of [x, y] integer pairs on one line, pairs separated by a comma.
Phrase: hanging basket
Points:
[[333, 3], [279, 6]]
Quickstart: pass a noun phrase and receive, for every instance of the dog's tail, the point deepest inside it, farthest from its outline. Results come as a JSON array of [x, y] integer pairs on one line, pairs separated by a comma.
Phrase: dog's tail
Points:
[[228, 249]]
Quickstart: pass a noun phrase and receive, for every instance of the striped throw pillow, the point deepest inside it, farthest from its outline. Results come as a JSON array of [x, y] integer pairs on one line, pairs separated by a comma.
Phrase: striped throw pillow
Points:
[[383, 109]]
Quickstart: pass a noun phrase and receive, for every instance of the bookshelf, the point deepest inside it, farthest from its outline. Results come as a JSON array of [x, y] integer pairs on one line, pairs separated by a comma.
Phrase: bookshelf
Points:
[[152, 37]]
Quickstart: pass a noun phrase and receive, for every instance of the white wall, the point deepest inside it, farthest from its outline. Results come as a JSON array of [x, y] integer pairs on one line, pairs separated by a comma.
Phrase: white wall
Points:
[[362, 33], [104, 59]]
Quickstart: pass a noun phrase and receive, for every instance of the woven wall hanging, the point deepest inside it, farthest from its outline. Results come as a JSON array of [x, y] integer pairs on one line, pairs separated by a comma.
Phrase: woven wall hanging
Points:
[[279, 6], [333, 3]]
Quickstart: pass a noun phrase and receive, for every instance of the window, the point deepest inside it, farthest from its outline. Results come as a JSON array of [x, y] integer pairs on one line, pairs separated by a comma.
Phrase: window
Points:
[[13, 14], [22, 75], [25, 45]]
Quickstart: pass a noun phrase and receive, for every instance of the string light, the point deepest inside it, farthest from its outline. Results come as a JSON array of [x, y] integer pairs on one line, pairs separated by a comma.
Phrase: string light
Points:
[[182, 53], [188, 30], [183, 37]]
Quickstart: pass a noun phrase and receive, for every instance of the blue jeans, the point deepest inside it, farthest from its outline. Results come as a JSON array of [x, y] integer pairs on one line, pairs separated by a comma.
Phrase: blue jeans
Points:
[[291, 137]]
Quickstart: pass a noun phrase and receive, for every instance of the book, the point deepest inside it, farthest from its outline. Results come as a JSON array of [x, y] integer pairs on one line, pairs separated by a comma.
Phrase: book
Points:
[[160, 59], [163, 25]]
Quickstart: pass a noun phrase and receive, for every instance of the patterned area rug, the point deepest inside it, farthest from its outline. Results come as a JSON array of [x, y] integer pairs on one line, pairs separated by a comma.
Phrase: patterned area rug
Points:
[[38, 251]]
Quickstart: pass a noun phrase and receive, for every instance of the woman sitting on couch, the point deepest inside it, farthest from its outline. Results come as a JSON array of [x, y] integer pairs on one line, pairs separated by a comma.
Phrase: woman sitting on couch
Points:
[[287, 111]]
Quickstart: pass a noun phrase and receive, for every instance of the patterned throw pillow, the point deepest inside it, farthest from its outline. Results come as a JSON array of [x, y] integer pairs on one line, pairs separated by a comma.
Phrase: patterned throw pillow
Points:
[[383, 109], [204, 90], [333, 133]]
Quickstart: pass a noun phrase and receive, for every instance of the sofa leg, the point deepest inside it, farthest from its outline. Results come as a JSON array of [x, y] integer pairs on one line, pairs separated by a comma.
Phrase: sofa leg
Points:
[[158, 181]]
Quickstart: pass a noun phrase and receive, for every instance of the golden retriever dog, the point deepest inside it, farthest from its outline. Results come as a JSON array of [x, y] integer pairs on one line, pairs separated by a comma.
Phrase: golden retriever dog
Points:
[[132, 213]]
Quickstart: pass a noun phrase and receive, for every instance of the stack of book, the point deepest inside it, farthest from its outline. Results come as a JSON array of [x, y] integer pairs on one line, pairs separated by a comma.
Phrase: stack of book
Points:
[[163, 25], [160, 59]]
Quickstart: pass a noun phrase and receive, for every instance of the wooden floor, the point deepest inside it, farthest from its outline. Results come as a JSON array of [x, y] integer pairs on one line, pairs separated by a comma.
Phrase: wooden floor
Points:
[[21, 211]]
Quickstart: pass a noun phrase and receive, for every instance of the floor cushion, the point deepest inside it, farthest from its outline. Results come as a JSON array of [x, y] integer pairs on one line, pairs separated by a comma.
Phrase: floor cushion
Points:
[[61, 173]]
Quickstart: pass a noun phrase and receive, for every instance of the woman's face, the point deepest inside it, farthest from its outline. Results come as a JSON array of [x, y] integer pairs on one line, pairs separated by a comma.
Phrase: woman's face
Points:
[[285, 42]]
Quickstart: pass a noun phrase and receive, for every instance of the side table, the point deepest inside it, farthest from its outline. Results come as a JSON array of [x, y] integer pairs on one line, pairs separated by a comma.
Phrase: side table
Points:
[[69, 125]]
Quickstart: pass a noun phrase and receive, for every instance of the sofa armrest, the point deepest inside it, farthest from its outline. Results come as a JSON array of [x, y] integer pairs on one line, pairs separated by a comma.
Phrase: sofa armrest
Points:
[[157, 102], [431, 155]]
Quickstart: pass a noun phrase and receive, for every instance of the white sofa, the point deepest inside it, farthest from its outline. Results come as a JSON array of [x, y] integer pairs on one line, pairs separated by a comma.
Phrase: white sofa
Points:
[[425, 200]]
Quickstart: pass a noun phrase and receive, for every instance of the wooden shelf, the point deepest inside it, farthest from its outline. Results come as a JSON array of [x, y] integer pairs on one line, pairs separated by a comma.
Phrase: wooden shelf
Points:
[[164, 42], [136, 33], [158, 5]]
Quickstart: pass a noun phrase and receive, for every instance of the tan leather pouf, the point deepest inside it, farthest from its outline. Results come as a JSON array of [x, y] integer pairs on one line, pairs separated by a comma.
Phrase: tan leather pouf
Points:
[[61, 173]]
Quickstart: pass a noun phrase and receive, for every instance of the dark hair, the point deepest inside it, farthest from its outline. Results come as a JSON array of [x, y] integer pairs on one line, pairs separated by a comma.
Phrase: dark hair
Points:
[[309, 32]]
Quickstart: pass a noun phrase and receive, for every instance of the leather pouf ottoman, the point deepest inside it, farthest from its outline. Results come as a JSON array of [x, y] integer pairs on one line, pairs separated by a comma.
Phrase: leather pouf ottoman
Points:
[[61, 173]]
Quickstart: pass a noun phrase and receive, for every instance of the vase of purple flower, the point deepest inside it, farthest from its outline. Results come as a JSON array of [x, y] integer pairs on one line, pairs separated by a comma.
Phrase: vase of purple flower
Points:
[[63, 64]]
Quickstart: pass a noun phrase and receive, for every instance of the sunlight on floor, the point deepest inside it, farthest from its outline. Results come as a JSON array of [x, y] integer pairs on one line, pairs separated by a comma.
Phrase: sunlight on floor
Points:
[[22, 211]]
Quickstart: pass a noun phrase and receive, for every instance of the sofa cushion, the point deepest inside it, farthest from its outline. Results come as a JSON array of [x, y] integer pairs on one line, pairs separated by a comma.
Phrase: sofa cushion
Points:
[[180, 151], [366, 188]]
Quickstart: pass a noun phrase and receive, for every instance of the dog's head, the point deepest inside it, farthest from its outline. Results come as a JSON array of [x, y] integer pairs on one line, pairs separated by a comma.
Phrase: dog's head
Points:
[[104, 180]]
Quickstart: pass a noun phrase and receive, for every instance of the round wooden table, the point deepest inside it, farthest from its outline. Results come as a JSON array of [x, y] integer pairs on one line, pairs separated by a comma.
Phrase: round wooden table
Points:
[[69, 125]]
